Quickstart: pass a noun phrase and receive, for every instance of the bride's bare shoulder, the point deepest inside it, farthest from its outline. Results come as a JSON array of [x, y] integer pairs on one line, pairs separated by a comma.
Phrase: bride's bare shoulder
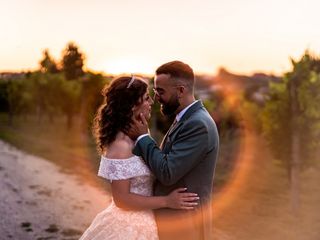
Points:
[[119, 149]]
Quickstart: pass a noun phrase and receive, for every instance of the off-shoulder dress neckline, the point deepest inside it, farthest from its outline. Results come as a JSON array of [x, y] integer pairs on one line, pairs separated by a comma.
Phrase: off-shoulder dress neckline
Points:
[[120, 159]]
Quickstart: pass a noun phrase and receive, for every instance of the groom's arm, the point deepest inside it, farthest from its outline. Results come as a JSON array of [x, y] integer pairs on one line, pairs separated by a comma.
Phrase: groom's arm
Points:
[[187, 151]]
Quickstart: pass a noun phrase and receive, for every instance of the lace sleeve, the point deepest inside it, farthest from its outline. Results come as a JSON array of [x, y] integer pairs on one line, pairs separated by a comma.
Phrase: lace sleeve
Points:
[[116, 169]]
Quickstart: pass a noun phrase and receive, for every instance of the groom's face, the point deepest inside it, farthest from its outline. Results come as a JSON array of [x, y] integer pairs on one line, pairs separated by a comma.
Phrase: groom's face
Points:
[[166, 94]]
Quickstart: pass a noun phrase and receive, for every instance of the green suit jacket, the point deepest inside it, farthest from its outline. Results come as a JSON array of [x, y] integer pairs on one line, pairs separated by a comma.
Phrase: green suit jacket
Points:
[[186, 158]]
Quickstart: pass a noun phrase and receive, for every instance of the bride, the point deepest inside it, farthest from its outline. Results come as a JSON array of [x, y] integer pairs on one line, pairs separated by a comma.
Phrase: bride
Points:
[[130, 215]]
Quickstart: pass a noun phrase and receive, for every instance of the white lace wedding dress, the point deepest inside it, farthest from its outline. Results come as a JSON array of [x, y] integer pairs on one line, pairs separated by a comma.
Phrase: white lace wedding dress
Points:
[[116, 223]]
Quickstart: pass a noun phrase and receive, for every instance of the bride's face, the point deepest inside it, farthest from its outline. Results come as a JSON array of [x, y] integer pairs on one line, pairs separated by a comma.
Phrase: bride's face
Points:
[[144, 107]]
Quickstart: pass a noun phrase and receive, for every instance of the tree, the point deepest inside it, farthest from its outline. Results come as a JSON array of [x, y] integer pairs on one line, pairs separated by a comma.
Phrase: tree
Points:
[[70, 100], [19, 98], [53, 90], [39, 91], [291, 119], [91, 98], [4, 105], [47, 64], [72, 62]]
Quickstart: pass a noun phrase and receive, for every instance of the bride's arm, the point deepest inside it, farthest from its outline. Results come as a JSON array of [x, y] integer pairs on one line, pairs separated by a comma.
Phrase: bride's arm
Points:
[[178, 199]]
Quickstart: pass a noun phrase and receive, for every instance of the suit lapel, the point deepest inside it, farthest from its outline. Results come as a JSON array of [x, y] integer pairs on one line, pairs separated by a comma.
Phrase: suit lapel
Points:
[[196, 106], [173, 127]]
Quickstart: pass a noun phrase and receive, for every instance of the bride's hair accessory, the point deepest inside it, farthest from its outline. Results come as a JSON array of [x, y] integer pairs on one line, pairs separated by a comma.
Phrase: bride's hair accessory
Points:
[[131, 81]]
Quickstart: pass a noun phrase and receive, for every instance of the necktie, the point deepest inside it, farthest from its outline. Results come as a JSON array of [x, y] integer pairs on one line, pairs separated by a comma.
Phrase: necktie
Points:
[[168, 132], [172, 126]]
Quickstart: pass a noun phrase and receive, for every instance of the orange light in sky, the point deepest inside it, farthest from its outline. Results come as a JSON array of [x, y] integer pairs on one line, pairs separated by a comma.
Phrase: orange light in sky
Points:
[[243, 36], [127, 65]]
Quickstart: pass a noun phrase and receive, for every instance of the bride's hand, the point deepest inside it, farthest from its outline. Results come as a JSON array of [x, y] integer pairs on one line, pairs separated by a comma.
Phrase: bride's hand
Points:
[[179, 199]]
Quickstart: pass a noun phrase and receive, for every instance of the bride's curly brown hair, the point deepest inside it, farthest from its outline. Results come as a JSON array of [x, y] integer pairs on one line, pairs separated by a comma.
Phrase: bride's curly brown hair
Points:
[[115, 113]]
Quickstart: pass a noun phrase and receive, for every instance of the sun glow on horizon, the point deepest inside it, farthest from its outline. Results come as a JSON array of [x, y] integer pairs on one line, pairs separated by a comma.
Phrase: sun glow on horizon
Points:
[[140, 36], [127, 65]]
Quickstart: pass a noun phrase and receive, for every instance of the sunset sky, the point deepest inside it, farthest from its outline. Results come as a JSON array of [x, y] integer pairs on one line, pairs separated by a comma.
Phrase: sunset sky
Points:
[[137, 36]]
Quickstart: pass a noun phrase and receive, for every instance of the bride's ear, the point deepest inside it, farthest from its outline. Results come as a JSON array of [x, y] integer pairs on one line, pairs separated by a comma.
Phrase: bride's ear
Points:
[[134, 108], [134, 111]]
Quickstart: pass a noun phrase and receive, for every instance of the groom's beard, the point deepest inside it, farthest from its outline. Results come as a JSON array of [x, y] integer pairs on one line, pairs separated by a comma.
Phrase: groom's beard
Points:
[[170, 107]]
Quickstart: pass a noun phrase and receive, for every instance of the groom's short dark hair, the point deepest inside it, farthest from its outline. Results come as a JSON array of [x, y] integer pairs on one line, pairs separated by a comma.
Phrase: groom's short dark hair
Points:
[[178, 71]]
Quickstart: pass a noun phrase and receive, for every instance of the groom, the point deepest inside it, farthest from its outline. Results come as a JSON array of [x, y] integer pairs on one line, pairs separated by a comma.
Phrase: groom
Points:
[[187, 155]]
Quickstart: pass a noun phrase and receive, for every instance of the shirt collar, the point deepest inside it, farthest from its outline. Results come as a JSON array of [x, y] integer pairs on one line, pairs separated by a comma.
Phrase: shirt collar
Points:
[[183, 111]]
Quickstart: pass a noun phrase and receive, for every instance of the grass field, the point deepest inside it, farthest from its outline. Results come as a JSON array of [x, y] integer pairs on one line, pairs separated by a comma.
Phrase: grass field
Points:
[[258, 206]]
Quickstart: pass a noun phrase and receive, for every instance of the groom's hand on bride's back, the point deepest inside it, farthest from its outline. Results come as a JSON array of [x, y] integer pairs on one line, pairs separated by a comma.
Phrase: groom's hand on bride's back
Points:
[[138, 127]]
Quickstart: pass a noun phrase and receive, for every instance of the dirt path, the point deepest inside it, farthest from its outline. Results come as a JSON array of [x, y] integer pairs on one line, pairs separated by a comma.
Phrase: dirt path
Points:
[[38, 201]]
